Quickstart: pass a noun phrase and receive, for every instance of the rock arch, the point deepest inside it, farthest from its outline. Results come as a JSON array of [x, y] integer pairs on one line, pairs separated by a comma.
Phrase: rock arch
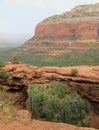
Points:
[[85, 81]]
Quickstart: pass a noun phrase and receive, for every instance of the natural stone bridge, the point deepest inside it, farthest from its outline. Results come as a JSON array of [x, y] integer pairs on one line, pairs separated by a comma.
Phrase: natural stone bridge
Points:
[[85, 81]]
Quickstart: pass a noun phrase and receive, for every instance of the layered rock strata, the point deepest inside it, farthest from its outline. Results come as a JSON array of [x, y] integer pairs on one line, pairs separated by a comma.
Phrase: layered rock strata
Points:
[[78, 30], [81, 22]]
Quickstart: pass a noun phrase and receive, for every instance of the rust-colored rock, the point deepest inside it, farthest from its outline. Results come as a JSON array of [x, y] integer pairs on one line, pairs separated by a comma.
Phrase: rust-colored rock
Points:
[[85, 82], [39, 125], [81, 22], [23, 116], [63, 30]]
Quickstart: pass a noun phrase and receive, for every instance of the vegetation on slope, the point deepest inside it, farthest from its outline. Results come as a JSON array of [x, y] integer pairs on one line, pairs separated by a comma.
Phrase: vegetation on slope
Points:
[[79, 13], [7, 108], [54, 55]]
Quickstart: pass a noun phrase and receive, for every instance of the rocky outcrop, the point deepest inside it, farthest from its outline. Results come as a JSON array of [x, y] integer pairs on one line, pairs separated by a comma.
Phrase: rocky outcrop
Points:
[[85, 81]]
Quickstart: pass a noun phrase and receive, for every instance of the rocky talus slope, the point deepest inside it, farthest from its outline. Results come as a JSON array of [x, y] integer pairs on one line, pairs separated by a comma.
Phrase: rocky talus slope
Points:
[[85, 82]]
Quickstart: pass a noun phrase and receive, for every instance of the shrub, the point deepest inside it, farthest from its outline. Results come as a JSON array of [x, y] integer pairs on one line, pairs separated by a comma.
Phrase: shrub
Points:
[[3, 74], [7, 98], [74, 72], [2, 64], [48, 103], [43, 105], [57, 88], [7, 113], [73, 106], [72, 38], [7, 108], [16, 59], [51, 107]]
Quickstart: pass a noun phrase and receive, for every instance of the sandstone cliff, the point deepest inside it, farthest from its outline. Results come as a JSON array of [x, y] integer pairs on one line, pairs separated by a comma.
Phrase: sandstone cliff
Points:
[[80, 25], [80, 22]]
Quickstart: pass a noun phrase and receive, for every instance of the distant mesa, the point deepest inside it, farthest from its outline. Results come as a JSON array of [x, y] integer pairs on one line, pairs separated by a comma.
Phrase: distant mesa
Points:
[[82, 22]]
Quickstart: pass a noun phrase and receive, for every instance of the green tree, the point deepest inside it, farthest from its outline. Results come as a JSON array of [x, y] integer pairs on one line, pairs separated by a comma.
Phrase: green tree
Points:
[[73, 109], [56, 102]]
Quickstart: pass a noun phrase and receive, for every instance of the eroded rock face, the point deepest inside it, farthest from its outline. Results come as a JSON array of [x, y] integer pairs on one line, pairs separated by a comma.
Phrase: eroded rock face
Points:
[[85, 82], [81, 22], [62, 30]]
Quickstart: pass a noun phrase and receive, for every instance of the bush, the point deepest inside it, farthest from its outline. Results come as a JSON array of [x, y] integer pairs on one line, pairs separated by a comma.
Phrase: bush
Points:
[[74, 72], [73, 109], [43, 105], [3, 74], [7, 98], [2, 64], [51, 107], [16, 59], [48, 103], [57, 88], [7, 108], [7, 113]]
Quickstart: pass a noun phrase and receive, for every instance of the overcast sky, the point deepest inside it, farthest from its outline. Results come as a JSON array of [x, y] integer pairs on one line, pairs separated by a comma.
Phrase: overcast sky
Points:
[[21, 16]]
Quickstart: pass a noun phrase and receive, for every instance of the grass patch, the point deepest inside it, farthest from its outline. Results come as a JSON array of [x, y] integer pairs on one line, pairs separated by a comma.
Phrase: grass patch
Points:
[[7, 108]]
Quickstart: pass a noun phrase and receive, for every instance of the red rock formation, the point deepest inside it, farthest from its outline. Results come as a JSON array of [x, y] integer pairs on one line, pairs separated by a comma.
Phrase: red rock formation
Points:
[[81, 22], [38, 125], [85, 29], [85, 82]]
